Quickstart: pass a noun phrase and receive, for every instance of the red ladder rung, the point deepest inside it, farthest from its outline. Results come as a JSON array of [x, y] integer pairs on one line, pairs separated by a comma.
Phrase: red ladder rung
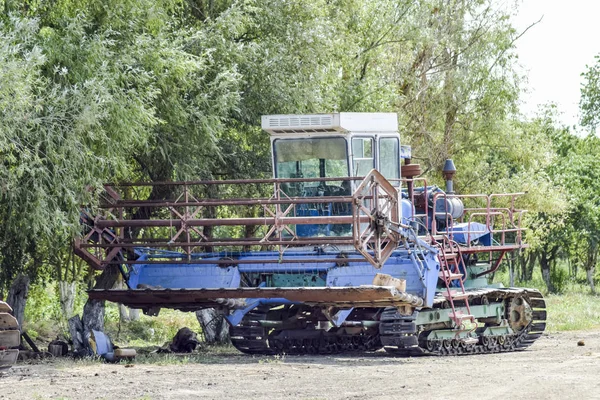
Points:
[[451, 276], [456, 295]]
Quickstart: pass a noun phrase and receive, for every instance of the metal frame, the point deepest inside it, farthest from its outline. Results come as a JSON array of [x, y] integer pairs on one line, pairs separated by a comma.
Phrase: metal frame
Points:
[[106, 242]]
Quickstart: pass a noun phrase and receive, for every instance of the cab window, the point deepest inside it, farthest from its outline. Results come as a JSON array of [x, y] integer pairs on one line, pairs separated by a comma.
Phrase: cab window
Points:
[[389, 163], [362, 154]]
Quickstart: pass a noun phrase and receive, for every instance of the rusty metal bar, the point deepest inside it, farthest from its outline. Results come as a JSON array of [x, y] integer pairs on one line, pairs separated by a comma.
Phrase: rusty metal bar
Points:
[[257, 242], [230, 202], [234, 181], [230, 261], [146, 223], [494, 267]]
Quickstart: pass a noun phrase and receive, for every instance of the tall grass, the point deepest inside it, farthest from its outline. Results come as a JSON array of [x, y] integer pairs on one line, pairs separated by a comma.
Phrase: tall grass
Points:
[[575, 307]]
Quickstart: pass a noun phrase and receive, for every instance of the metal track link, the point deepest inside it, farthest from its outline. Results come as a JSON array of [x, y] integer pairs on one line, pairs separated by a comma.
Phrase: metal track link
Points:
[[322, 342], [249, 336], [402, 335]]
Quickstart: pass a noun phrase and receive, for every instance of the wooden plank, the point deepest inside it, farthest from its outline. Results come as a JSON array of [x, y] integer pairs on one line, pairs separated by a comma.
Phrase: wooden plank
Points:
[[10, 338], [388, 280], [5, 308], [7, 321], [8, 358], [180, 298]]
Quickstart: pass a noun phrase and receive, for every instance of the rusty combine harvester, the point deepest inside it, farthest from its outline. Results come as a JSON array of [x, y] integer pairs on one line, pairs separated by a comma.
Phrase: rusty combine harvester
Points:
[[344, 249]]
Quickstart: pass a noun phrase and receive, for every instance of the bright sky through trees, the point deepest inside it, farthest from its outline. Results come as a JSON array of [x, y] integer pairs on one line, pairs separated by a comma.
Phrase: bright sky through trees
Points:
[[555, 52]]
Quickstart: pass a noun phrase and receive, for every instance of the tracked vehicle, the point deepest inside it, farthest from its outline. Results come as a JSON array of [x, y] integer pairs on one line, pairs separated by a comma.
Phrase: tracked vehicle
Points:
[[345, 249]]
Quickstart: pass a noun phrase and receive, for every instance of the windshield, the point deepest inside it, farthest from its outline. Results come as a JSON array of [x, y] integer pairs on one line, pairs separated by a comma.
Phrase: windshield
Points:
[[315, 158], [311, 158]]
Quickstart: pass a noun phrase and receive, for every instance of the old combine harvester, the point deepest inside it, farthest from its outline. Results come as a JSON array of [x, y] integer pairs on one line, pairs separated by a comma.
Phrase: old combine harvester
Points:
[[349, 250]]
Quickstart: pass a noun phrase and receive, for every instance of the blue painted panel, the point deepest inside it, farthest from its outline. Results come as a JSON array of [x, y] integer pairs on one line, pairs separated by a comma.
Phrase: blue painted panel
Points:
[[472, 231], [176, 276], [408, 211], [363, 274], [188, 276]]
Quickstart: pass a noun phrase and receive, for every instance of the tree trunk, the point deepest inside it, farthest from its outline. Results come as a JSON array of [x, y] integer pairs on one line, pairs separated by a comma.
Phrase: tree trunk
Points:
[[511, 271], [545, 265], [214, 326], [66, 294], [590, 277], [123, 314], [123, 310], [127, 314], [134, 314], [17, 297], [590, 265], [93, 311]]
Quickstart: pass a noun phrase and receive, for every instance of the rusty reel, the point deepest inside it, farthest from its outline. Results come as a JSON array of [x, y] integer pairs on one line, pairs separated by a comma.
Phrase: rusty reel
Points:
[[375, 200]]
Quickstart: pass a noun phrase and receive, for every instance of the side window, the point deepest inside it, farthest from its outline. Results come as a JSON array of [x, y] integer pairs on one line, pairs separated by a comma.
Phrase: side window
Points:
[[362, 151], [389, 164]]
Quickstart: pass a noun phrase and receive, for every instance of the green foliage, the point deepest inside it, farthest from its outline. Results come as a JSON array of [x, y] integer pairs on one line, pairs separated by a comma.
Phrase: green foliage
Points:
[[94, 91], [590, 96], [573, 309], [148, 331]]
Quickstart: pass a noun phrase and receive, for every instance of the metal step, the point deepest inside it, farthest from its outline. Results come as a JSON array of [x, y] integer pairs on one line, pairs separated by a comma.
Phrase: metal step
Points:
[[538, 327], [450, 256], [456, 295], [538, 303], [444, 274], [7, 321]]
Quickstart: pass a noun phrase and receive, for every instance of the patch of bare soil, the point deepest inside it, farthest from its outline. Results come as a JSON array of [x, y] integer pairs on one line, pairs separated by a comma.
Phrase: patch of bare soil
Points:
[[555, 367]]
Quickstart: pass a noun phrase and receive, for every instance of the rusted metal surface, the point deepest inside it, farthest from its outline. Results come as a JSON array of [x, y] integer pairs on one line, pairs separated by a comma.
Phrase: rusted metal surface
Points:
[[193, 299], [181, 224], [499, 221], [235, 182], [184, 223], [233, 261], [373, 239]]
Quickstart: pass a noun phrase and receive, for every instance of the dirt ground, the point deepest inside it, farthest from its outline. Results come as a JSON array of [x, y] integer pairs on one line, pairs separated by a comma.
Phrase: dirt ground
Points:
[[553, 368]]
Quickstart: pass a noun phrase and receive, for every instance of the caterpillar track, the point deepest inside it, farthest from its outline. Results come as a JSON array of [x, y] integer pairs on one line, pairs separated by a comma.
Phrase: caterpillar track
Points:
[[10, 337], [251, 337], [262, 330], [525, 311]]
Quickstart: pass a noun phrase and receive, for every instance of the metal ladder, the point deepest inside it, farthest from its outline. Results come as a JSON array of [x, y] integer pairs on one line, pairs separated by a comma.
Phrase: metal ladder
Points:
[[450, 257]]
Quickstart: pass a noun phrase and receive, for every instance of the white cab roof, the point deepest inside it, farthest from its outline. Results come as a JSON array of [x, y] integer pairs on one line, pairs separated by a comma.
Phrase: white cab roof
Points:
[[344, 122]]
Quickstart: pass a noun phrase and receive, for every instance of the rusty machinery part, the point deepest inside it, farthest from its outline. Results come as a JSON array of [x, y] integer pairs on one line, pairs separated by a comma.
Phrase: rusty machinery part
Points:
[[10, 337], [374, 206], [525, 313], [377, 199], [410, 170]]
